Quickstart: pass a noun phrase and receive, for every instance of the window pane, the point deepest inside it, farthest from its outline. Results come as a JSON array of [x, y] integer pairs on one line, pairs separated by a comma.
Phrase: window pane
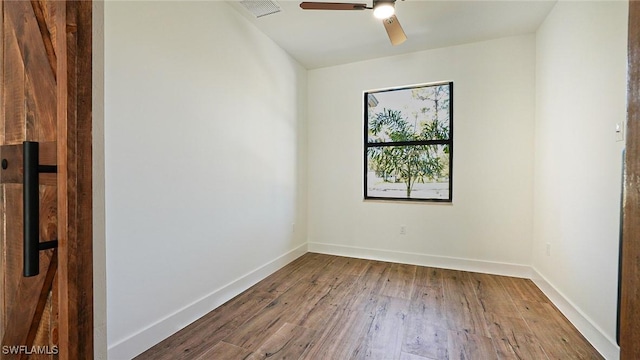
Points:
[[414, 114], [408, 172]]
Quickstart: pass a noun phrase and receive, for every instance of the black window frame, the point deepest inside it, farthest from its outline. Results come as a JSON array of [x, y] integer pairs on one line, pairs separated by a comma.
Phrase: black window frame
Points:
[[368, 145]]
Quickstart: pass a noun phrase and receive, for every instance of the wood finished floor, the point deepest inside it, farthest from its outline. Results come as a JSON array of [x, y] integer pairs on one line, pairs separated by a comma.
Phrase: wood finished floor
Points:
[[330, 307]]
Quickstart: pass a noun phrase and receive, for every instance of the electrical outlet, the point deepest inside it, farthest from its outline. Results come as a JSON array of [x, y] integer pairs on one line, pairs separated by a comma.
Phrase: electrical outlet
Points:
[[403, 229], [548, 249]]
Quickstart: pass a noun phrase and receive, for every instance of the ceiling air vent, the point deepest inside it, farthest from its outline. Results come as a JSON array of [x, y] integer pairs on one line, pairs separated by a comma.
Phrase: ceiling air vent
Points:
[[260, 8]]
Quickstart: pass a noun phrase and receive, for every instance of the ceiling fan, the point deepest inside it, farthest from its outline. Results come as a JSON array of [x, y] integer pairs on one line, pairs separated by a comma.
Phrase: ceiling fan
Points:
[[382, 9]]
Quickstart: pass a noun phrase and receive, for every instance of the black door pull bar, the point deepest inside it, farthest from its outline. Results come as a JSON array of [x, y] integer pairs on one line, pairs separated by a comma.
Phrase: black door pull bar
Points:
[[31, 209]]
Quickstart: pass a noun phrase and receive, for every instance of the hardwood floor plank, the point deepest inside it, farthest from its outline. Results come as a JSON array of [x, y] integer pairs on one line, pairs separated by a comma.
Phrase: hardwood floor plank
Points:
[[425, 327], [399, 281], [343, 336], [427, 277], [289, 342], [223, 350], [383, 339], [328, 267], [356, 267], [265, 323], [407, 356], [492, 295], [333, 270], [218, 324], [315, 314], [465, 346], [369, 284], [512, 338], [428, 306], [463, 310], [303, 267], [558, 337], [522, 289], [431, 342]]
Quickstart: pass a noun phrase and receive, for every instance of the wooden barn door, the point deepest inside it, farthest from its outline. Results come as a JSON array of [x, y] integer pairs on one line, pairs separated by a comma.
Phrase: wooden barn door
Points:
[[45, 97]]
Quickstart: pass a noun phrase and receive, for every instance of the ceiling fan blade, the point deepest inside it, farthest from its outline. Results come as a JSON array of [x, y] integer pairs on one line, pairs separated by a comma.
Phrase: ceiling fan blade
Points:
[[394, 30], [331, 6]]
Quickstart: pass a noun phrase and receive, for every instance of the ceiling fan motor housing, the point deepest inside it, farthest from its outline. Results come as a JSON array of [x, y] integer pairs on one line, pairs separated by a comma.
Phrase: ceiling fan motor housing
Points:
[[376, 2], [383, 9]]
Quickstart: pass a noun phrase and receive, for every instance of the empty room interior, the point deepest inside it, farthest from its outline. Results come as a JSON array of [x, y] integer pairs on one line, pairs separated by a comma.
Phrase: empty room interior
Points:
[[230, 164]]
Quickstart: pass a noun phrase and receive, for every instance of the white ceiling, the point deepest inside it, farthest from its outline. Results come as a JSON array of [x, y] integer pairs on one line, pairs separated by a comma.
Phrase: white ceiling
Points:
[[325, 38]]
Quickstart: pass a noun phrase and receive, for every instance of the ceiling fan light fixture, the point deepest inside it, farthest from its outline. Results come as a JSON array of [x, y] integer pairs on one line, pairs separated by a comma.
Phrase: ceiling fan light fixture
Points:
[[383, 10]]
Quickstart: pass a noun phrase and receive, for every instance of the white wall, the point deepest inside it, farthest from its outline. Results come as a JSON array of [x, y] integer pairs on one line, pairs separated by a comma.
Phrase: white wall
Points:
[[205, 144], [581, 92], [490, 220]]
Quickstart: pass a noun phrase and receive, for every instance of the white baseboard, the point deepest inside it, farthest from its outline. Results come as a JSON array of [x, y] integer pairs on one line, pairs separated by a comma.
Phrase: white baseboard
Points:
[[605, 345], [443, 262], [146, 338]]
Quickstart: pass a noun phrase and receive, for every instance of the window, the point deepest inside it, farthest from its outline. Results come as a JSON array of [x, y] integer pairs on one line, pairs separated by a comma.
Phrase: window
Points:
[[408, 143]]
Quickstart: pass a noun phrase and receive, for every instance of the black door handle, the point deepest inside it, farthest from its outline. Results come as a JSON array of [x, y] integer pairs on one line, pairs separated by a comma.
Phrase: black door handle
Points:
[[31, 208]]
